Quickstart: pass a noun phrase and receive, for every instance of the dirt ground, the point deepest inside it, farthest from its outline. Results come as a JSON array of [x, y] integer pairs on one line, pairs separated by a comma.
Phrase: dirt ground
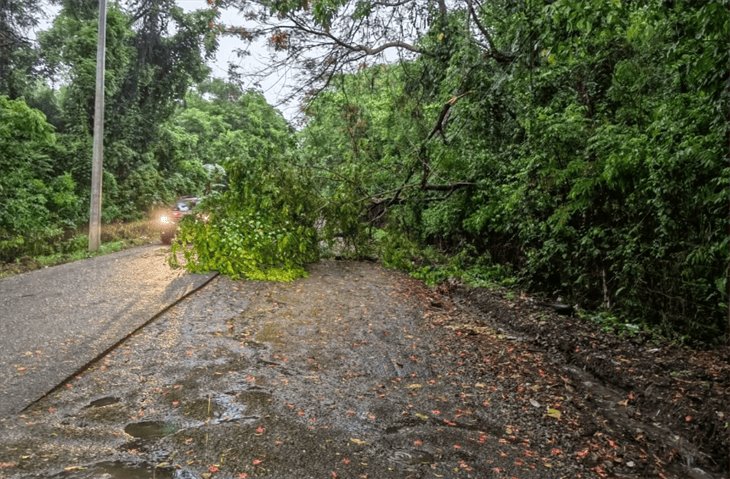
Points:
[[359, 372]]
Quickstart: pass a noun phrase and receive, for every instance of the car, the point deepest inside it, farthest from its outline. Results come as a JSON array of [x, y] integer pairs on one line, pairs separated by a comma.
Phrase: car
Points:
[[169, 219]]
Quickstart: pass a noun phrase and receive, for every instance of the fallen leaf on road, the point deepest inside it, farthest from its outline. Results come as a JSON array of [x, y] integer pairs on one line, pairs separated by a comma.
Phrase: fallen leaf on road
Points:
[[357, 441], [554, 413]]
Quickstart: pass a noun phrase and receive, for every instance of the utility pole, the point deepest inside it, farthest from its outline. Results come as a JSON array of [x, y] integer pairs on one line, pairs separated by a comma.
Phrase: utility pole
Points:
[[97, 161]]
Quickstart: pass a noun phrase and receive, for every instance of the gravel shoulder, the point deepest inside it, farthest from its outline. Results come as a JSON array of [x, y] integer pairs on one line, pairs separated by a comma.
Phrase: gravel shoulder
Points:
[[353, 372]]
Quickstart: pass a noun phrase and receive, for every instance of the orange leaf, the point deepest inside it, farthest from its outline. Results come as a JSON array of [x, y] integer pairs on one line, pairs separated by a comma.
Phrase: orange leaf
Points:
[[256, 462], [213, 469], [599, 470]]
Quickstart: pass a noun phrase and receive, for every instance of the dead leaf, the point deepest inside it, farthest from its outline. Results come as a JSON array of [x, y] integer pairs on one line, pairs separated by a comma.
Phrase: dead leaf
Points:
[[554, 413], [357, 441]]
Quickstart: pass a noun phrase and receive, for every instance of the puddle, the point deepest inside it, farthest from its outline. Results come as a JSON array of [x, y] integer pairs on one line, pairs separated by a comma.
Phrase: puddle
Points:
[[105, 401], [256, 400], [219, 408], [413, 458], [150, 429], [120, 470], [270, 333]]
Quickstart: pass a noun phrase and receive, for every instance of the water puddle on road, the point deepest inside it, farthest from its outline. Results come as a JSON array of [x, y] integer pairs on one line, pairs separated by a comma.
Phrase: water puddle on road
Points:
[[413, 458], [270, 333], [119, 470], [105, 401], [256, 400], [150, 429], [217, 409]]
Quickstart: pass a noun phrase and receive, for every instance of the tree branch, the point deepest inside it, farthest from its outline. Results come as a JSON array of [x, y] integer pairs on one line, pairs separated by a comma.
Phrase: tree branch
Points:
[[499, 56], [440, 126], [300, 26]]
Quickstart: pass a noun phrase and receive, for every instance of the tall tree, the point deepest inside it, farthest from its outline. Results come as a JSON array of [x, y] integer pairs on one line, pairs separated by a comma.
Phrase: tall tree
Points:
[[17, 57]]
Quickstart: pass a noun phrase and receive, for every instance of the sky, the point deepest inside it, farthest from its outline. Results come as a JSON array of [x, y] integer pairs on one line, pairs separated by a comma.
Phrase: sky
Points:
[[274, 87]]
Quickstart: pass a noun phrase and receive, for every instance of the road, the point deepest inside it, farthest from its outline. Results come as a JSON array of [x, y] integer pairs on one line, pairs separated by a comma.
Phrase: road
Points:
[[56, 320], [352, 372]]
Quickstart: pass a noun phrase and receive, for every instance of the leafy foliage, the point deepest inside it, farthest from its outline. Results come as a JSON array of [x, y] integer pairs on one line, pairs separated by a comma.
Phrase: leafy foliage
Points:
[[262, 226], [589, 155], [35, 205]]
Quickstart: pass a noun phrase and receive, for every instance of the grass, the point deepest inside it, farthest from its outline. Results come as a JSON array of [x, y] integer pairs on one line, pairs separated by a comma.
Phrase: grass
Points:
[[114, 237]]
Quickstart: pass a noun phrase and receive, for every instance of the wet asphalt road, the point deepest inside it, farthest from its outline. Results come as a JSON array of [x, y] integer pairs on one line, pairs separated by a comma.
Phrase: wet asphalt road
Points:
[[56, 320]]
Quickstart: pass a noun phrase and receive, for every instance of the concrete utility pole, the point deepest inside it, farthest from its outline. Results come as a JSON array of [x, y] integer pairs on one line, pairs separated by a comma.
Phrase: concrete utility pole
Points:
[[97, 161]]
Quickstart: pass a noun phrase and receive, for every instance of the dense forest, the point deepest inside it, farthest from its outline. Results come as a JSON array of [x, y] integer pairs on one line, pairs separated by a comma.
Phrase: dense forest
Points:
[[578, 149]]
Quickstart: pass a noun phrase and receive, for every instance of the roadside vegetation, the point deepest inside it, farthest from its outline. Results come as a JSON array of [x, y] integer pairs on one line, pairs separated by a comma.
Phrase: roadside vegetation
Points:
[[576, 149]]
